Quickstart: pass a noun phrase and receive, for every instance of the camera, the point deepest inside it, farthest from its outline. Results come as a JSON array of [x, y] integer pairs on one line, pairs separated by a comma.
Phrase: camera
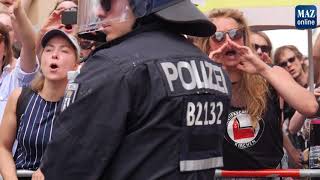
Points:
[[69, 16]]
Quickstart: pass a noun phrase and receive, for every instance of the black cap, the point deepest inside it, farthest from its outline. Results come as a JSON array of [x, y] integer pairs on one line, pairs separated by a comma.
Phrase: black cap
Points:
[[181, 14]]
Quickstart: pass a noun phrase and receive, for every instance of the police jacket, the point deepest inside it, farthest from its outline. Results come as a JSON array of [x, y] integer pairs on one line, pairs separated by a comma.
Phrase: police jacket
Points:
[[150, 105]]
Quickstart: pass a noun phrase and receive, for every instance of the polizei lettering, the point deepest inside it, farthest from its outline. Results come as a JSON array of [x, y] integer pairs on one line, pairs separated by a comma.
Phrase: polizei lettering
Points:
[[194, 75]]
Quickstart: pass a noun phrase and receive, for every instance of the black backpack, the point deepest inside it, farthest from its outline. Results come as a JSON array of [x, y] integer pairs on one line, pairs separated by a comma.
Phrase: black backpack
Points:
[[22, 103]]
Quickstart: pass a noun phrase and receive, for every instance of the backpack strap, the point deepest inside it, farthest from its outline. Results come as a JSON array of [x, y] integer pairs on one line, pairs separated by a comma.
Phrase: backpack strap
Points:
[[22, 103]]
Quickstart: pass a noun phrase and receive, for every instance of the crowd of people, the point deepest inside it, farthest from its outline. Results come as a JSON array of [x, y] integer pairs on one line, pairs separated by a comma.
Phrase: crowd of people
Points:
[[163, 97]]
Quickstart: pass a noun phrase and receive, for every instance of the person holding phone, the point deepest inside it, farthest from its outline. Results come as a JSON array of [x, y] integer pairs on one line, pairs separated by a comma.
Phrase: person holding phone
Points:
[[54, 21]]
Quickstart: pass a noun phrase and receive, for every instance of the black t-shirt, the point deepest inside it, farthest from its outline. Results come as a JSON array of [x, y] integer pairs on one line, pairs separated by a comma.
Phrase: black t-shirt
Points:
[[248, 148]]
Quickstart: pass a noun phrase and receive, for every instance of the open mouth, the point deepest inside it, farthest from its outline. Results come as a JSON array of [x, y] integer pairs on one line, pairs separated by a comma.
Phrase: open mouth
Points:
[[53, 66], [68, 27], [230, 52]]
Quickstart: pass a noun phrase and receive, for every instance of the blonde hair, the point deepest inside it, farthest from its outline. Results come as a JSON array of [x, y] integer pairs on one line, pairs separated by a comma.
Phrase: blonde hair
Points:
[[253, 89], [38, 82]]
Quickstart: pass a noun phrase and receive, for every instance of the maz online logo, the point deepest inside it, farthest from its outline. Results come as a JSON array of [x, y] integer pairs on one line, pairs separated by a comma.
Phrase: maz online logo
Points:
[[306, 16]]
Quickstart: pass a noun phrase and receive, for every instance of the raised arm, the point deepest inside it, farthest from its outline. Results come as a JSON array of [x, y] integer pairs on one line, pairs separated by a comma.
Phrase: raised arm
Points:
[[298, 97], [294, 94], [24, 30], [52, 22], [8, 129], [26, 4]]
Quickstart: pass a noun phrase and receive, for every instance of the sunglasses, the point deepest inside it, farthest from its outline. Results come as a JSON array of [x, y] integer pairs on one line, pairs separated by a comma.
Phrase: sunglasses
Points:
[[263, 48], [234, 34], [285, 63]]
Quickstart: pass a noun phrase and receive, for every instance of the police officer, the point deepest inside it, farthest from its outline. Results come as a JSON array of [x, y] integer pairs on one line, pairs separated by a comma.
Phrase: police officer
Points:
[[150, 105]]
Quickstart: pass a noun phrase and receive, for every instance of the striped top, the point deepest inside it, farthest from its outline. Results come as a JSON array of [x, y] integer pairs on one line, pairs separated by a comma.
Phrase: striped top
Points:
[[35, 131]]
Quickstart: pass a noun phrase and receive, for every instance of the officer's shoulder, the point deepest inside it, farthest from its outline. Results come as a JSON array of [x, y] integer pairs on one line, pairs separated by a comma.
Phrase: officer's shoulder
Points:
[[142, 48]]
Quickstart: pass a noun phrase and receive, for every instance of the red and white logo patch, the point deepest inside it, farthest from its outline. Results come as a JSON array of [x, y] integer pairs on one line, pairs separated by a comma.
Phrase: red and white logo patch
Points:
[[240, 131]]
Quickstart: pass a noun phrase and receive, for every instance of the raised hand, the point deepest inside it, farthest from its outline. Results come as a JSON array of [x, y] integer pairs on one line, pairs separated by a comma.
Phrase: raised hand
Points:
[[296, 158], [217, 54], [53, 22], [249, 61], [265, 57]]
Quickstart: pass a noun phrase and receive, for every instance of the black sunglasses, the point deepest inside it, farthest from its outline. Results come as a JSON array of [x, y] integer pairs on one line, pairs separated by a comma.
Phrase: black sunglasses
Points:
[[234, 34], [285, 63], [263, 48]]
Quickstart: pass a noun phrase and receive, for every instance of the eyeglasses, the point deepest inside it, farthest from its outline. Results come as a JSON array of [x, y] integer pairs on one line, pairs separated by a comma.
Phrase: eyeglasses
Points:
[[285, 63], [263, 48], [234, 34], [85, 44]]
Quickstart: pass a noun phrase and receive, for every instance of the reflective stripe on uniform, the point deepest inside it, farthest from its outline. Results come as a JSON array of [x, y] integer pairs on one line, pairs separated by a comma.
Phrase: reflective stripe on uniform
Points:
[[194, 165]]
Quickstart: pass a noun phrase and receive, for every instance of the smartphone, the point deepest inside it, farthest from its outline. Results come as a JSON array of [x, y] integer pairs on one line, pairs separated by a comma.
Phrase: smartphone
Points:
[[69, 17]]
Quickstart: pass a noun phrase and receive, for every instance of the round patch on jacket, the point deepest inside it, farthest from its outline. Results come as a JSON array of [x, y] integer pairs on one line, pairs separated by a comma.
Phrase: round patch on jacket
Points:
[[240, 131]]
